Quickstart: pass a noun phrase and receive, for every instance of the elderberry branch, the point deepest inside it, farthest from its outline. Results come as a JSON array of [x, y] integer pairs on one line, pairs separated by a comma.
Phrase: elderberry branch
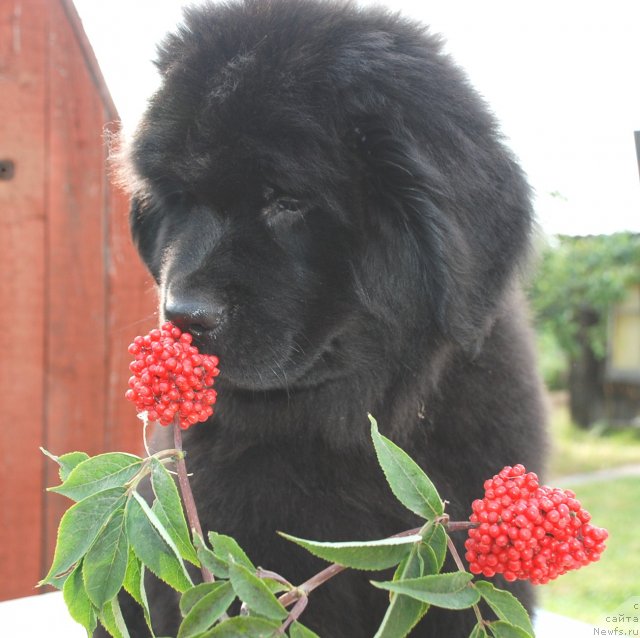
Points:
[[187, 494], [461, 567]]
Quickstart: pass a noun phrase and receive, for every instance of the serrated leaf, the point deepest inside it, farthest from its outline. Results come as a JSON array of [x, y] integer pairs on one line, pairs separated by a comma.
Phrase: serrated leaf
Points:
[[218, 567], [368, 555], [403, 612], [451, 591], [134, 584], [505, 606], [436, 539], [406, 479], [105, 564], [207, 609], [69, 461], [66, 462], [80, 525], [243, 627], [298, 630], [153, 546], [77, 601], [502, 629], [168, 509], [255, 593], [112, 620], [478, 632], [225, 547], [99, 473]]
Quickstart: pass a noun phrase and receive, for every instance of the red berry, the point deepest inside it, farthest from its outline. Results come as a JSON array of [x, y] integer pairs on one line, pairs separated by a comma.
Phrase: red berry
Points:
[[171, 379], [528, 531]]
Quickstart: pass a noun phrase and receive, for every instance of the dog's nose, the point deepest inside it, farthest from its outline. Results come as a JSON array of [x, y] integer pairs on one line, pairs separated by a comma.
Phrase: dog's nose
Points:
[[195, 316]]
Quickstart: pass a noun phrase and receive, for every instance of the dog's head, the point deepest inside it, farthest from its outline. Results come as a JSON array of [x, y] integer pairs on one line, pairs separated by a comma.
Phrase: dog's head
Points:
[[316, 188]]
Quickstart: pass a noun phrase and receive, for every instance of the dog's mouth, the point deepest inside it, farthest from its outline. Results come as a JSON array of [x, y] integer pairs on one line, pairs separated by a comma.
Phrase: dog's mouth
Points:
[[248, 367]]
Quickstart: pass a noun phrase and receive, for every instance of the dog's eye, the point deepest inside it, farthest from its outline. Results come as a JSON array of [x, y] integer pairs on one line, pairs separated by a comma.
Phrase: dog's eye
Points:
[[279, 206]]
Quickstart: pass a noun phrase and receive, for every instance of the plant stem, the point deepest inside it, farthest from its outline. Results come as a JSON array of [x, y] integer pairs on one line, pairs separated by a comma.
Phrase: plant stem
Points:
[[311, 584], [460, 564], [187, 494], [294, 614]]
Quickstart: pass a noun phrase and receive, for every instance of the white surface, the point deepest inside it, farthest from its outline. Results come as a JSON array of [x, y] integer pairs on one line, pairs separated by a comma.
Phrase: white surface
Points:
[[35, 616], [46, 615]]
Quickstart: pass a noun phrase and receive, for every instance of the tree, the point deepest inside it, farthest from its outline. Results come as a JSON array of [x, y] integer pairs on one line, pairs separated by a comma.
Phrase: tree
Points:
[[577, 282]]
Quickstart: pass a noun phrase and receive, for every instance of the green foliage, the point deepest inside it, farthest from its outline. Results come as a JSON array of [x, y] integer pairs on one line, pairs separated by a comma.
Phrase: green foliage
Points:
[[168, 508], [577, 282], [367, 555], [404, 612], [505, 606], [254, 593], [153, 545], [451, 591], [98, 473], [79, 527], [213, 600], [105, 564], [111, 536], [406, 479], [78, 603]]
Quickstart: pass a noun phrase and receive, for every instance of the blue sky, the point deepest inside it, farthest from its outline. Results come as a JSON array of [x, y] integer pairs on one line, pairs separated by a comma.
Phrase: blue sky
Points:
[[562, 77]]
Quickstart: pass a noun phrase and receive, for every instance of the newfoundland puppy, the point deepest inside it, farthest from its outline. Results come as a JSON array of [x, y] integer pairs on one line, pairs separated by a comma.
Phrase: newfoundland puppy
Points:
[[327, 204]]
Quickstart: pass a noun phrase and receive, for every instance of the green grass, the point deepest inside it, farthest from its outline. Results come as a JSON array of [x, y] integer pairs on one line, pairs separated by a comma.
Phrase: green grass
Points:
[[575, 450], [596, 591]]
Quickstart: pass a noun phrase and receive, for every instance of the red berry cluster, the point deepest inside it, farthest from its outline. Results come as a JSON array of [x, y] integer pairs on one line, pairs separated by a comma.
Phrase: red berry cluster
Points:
[[528, 531], [170, 378]]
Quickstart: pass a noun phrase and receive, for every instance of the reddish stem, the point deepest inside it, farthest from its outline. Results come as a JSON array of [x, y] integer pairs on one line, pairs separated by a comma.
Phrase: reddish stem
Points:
[[187, 494], [294, 614]]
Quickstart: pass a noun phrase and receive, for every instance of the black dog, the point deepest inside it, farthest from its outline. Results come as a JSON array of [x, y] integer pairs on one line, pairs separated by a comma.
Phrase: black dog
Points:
[[327, 205]]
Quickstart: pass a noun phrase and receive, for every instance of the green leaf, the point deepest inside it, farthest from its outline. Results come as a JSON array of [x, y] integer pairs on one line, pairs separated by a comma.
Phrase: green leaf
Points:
[[134, 584], [479, 632], [502, 629], [207, 609], [190, 597], [428, 561], [105, 564], [406, 479], [243, 627], [371, 555], [80, 525], [112, 620], [436, 538], [254, 593], [78, 603], [298, 630], [403, 612], [505, 606], [66, 462], [451, 591], [153, 546], [168, 509], [99, 473], [225, 547], [218, 567]]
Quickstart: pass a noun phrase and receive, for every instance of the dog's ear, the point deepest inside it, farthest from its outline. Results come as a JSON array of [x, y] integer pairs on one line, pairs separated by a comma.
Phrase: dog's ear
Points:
[[453, 263], [144, 227]]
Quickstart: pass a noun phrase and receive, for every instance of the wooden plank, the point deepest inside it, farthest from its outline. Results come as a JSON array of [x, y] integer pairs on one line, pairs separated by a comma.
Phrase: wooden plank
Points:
[[76, 375], [23, 86]]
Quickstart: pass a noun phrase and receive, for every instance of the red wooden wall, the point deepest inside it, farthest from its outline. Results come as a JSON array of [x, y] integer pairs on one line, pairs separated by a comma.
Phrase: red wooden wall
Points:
[[72, 291]]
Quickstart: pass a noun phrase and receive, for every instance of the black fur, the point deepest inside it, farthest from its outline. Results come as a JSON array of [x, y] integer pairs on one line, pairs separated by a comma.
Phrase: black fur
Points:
[[327, 205]]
